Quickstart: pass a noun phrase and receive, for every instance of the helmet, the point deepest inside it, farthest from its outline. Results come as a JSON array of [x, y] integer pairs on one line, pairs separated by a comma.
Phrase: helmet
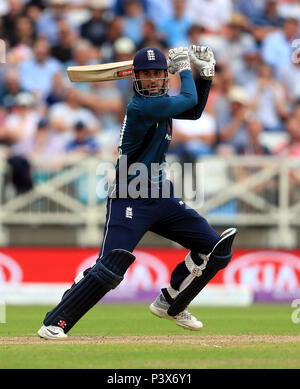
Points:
[[150, 58]]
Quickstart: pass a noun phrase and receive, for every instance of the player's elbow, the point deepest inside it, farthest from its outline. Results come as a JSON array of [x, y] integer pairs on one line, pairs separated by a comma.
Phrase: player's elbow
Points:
[[190, 98]]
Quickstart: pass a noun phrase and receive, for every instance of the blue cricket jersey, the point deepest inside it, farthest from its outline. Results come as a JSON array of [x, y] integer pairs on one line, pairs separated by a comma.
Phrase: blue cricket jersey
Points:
[[147, 128]]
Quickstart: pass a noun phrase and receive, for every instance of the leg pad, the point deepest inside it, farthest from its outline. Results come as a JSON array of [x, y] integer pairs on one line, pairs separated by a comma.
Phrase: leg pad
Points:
[[105, 275], [218, 259]]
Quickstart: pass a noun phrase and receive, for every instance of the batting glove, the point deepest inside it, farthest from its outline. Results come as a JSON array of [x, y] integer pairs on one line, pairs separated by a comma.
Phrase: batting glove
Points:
[[178, 60], [203, 59]]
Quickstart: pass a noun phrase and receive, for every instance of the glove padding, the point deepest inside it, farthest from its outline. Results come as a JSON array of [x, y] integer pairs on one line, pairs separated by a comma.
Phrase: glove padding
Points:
[[203, 59], [178, 60]]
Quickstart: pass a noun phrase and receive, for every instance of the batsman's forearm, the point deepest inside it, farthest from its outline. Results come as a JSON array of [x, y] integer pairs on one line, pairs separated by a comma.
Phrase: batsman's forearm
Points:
[[170, 106], [203, 89]]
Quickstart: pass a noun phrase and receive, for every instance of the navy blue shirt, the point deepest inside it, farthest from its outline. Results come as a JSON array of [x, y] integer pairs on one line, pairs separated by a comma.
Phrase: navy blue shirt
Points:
[[147, 128]]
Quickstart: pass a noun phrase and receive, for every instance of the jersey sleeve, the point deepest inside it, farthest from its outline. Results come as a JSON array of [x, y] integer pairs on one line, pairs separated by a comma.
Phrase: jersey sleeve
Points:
[[194, 113], [163, 107]]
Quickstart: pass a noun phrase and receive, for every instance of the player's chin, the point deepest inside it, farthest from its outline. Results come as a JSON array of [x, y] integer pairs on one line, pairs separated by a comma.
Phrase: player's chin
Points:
[[154, 91]]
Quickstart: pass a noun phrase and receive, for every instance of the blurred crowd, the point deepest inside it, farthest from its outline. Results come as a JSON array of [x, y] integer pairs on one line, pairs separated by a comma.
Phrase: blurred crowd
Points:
[[253, 107]]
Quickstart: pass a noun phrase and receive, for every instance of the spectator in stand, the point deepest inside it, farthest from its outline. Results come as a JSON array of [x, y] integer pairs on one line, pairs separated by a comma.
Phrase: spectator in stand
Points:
[[151, 37], [232, 118], [124, 50], [133, 20], [43, 150], [58, 90], [223, 82], [20, 124], [269, 16], [1, 29], [176, 28], [67, 39], [252, 9], [254, 145], [114, 32], [95, 28], [192, 140], [266, 21], [44, 146], [194, 34], [4, 7], [296, 111], [277, 46], [24, 32], [11, 89], [235, 41], [64, 115], [157, 10], [289, 9], [212, 14], [81, 145], [82, 141], [36, 73], [104, 99], [248, 74], [20, 173], [291, 148], [3, 115], [255, 148], [119, 7], [83, 53], [22, 48], [289, 75], [269, 100], [47, 23], [34, 8], [14, 10]]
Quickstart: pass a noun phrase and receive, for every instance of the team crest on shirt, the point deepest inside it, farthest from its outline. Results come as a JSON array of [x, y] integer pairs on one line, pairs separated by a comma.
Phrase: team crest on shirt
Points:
[[151, 55]]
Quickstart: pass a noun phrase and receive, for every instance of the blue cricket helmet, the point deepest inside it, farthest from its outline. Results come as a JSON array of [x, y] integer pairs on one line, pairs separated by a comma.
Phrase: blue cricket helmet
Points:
[[149, 58], [146, 59]]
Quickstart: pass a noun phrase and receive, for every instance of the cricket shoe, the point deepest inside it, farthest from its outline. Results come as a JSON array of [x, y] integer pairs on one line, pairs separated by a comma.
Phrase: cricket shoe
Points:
[[184, 319], [52, 333]]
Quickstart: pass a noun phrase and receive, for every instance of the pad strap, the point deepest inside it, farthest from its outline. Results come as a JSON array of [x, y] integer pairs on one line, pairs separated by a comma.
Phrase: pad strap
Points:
[[196, 270]]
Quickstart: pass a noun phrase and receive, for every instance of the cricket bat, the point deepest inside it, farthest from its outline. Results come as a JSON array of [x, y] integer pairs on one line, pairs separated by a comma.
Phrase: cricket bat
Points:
[[101, 72]]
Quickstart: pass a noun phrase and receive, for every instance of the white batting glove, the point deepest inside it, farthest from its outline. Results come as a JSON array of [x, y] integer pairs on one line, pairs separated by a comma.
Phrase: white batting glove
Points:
[[203, 59], [178, 60]]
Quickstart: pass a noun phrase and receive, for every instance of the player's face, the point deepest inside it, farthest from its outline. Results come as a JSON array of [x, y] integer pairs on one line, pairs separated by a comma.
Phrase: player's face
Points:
[[152, 80]]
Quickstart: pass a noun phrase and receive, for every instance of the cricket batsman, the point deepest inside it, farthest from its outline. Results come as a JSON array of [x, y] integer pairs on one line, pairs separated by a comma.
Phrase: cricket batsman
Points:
[[144, 140]]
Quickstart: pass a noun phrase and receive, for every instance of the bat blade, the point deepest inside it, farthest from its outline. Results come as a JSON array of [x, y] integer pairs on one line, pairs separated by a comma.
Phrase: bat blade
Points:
[[101, 72]]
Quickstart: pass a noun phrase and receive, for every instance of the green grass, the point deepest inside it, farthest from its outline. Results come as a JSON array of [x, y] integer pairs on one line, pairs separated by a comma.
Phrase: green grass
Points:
[[209, 348]]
